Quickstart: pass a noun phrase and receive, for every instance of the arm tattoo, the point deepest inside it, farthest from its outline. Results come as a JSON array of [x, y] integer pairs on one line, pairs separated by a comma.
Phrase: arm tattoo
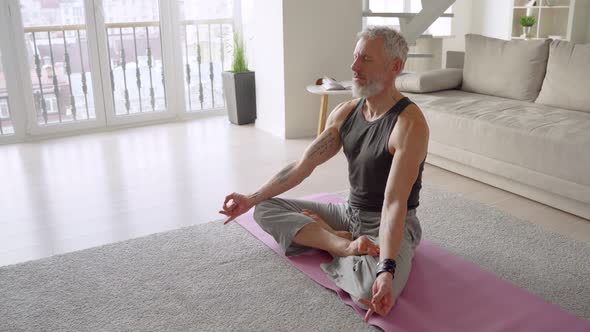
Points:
[[255, 195], [284, 174], [324, 144]]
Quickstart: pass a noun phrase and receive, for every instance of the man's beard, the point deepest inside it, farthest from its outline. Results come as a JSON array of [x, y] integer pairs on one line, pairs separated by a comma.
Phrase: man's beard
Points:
[[370, 89]]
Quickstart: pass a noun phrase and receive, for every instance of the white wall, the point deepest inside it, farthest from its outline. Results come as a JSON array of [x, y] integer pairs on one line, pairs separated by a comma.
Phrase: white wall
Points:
[[319, 39], [268, 63], [492, 18], [461, 26]]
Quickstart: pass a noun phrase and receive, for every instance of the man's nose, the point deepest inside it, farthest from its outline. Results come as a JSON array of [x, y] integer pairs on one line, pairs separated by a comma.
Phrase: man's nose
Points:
[[355, 65]]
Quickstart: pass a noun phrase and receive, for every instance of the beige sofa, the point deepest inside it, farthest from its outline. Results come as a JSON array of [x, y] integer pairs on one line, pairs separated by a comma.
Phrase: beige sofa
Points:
[[517, 119]]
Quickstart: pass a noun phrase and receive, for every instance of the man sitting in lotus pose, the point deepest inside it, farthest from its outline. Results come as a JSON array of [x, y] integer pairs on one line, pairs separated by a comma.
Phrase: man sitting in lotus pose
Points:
[[385, 139]]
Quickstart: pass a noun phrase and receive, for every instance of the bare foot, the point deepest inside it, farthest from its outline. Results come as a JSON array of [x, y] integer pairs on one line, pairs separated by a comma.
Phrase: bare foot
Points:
[[344, 235], [362, 246], [324, 225]]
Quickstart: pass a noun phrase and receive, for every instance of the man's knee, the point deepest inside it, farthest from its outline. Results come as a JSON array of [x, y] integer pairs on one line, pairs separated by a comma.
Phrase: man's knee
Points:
[[263, 208]]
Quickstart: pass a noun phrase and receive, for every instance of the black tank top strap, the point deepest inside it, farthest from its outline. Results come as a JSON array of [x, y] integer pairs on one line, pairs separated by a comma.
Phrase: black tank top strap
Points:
[[347, 123], [401, 105]]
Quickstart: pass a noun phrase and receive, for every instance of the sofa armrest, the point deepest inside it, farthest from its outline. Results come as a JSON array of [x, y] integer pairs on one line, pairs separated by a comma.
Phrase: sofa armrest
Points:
[[430, 81], [455, 59]]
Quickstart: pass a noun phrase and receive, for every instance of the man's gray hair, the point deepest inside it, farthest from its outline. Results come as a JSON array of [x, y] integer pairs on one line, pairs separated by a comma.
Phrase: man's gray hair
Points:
[[394, 44]]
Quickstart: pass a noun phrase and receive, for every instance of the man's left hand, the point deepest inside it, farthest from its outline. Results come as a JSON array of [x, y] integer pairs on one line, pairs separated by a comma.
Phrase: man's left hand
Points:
[[383, 299]]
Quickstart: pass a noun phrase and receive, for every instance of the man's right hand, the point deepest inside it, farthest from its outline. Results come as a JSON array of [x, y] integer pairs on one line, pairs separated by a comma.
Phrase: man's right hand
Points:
[[238, 205]]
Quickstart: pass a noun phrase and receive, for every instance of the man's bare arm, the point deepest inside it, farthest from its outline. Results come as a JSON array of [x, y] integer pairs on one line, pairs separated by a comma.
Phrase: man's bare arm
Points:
[[410, 139], [321, 149]]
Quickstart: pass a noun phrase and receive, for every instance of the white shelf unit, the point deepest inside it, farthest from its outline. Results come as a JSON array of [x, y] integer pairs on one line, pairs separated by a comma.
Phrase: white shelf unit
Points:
[[556, 19]]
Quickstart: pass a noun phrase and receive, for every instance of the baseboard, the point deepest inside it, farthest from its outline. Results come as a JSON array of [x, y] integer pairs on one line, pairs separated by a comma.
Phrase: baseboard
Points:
[[78, 132]]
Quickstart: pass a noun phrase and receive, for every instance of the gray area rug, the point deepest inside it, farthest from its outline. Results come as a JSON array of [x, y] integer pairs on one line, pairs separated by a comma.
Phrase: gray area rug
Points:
[[214, 278]]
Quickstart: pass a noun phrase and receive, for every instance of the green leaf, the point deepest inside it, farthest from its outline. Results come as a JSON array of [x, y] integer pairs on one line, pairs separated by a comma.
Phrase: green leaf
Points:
[[240, 63], [527, 21]]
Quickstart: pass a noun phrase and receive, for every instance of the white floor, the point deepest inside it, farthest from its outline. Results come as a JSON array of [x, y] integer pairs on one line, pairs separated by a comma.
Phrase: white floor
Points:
[[67, 194]]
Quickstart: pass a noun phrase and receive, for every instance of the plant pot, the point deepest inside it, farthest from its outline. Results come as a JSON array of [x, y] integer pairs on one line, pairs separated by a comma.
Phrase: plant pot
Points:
[[526, 32], [240, 96]]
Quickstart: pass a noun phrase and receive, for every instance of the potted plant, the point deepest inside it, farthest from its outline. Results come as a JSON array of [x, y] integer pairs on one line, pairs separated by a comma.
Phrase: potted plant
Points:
[[527, 22], [239, 87]]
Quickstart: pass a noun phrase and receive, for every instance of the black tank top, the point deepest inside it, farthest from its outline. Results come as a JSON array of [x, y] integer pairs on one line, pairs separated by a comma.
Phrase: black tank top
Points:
[[365, 145]]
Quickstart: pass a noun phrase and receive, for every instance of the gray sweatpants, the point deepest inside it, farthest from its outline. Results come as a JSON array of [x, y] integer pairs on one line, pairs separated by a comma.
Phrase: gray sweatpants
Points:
[[282, 218]]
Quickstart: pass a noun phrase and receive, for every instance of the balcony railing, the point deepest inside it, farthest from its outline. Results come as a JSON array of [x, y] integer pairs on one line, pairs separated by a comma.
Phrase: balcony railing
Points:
[[61, 86], [61, 76], [6, 127], [127, 61], [205, 43]]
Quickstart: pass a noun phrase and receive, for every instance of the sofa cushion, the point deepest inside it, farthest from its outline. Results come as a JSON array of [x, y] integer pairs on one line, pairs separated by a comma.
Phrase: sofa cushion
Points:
[[545, 139], [512, 69], [568, 76], [430, 81]]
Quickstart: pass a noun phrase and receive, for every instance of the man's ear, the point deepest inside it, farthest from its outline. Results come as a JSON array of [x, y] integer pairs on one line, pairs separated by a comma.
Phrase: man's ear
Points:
[[396, 66]]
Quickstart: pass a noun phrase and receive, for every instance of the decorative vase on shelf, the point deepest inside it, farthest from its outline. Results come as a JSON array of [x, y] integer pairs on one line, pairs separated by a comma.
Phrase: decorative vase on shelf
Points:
[[526, 32], [527, 22]]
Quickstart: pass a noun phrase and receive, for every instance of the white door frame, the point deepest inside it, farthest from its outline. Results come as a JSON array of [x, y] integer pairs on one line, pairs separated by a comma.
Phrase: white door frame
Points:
[[33, 128], [16, 103]]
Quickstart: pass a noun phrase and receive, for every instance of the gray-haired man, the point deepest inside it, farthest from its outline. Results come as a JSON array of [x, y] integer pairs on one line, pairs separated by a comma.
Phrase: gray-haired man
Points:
[[385, 139]]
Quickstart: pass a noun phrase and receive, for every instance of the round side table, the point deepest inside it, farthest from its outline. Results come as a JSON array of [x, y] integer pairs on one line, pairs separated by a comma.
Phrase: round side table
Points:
[[319, 90]]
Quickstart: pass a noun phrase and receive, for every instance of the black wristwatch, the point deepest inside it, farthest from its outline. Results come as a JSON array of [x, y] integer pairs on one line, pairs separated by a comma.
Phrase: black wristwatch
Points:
[[386, 265]]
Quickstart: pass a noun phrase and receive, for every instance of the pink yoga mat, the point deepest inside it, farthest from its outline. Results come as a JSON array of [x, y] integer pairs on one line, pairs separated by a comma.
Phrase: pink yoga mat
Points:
[[443, 293]]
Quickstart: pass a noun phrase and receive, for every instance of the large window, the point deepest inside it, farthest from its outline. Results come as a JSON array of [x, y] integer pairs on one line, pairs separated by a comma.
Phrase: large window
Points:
[[87, 64], [135, 56], [206, 36], [57, 56]]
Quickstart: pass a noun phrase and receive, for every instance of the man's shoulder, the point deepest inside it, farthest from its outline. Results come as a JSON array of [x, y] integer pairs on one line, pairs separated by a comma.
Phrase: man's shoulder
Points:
[[340, 112], [411, 127], [344, 108], [412, 117]]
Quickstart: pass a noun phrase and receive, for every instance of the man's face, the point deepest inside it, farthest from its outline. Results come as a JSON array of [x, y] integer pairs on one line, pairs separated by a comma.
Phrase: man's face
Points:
[[371, 71]]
